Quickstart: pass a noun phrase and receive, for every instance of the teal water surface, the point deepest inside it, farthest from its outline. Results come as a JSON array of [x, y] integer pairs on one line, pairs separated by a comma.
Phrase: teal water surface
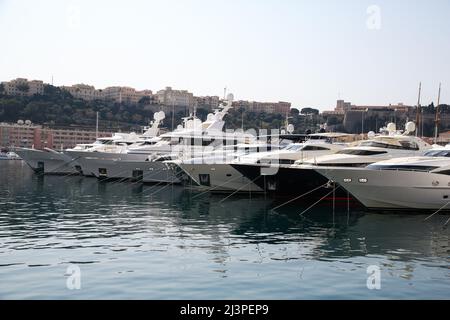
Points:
[[129, 241]]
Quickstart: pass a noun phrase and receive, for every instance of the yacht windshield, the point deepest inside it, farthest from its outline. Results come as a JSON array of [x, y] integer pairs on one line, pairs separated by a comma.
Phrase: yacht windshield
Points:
[[357, 152], [402, 167], [438, 153], [315, 148], [395, 144], [294, 147]]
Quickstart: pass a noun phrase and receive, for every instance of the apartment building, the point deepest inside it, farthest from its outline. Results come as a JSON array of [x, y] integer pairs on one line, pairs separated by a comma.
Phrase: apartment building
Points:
[[17, 135], [268, 107], [343, 107], [177, 98], [23, 87], [84, 92], [30, 135], [125, 94], [208, 102], [63, 138]]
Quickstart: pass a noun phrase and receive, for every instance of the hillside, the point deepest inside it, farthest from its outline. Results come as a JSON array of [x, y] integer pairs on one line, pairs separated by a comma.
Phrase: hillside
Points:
[[58, 108]]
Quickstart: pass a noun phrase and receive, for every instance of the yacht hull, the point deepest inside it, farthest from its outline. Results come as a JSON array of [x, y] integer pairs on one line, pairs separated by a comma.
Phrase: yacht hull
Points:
[[393, 190], [219, 178], [106, 155], [286, 181], [45, 162], [142, 171]]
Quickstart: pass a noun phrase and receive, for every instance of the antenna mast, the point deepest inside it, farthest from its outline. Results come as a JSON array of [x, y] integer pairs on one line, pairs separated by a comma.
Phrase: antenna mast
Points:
[[96, 127], [418, 109], [437, 120]]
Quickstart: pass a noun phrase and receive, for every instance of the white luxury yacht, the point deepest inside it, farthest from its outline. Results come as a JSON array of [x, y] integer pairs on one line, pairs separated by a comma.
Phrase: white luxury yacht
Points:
[[298, 179], [410, 183], [9, 156], [193, 139], [49, 161], [113, 147], [218, 174], [389, 144]]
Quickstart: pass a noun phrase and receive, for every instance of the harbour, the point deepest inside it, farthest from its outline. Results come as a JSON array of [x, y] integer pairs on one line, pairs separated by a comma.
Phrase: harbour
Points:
[[133, 242], [223, 159]]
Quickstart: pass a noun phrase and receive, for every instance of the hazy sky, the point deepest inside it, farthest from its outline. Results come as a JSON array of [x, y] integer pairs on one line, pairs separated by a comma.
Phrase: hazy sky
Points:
[[305, 52]]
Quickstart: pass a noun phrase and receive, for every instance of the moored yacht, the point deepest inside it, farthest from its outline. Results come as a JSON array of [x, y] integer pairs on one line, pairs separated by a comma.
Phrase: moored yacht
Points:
[[191, 140], [219, 175], [9, 156], [49, 161], [410, 183], [117, 145], [152, 170], [299, 179]]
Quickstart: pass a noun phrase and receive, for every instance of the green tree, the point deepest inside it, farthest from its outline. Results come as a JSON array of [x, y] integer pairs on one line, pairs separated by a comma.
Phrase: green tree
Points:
[[309, 111], [144, 100]]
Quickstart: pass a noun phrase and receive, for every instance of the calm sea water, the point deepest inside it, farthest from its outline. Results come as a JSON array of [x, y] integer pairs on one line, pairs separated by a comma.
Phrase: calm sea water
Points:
[[141, 242]]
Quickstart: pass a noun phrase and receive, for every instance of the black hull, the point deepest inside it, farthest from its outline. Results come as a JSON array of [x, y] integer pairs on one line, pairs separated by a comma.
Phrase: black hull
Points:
[[291, 182]]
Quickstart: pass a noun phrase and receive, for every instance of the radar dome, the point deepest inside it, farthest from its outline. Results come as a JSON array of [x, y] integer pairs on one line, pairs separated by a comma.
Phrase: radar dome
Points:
[[410, 127], [230, 97], [391, 127], [28, 122], [158, 116], [290, 128], [20, 122], [210, 117], [371, 134]]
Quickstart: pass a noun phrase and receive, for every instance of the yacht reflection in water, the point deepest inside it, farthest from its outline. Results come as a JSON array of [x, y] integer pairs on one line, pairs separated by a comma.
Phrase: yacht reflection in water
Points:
[[86, 209]]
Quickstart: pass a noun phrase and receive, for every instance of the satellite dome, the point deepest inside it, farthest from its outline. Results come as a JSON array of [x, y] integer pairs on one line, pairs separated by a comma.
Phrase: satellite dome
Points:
[[158, 116], [410, 127], [290, 128], [391, 127]]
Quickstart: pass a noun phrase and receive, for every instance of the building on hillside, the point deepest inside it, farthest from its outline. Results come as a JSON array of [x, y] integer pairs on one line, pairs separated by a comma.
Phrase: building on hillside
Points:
[[23, 87], [176, 98], [268, 107], [343, 107], [84, 92], [208, 102], [125, 94]]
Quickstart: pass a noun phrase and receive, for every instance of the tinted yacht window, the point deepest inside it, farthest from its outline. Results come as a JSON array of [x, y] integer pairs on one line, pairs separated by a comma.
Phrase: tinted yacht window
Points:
[[362, 152], [314, 148], [438, 153], [402, 167]]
